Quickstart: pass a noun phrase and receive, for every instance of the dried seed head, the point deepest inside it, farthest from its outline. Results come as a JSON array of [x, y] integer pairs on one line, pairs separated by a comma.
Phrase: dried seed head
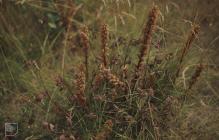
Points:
[[60, 82], [97, 80], [105, 74], [86, 46], [193, 34], [108, 125], [105, 132], [196, 75], [125, 71], [85, 40], [80, 86], [147, 37], [114, 94], [113, 79], [104, 38], [70, 13], [40, 96], [148, 31], [69, 117], [48, 126]]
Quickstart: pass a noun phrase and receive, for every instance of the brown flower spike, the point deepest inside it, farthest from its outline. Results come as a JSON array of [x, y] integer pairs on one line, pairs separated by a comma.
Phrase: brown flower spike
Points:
[[113, 79], [105, 132], [193, 34], [147, 38], [104, 37], [195, 76], [106, 74], [80, 87], [148, 31], [86, 46]]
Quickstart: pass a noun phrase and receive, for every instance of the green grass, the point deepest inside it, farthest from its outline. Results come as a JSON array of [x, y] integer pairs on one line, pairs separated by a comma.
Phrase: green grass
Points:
[[40, 61]]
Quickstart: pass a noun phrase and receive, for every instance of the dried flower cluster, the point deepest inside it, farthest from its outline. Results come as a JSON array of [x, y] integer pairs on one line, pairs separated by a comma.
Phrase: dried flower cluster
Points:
[[195, 76], [104, 37], [105, 132], [67, 10], [193, 34], [48, 126], [86, 46], [60, 82], [97, 80], [106, 74], [80, 86], [147, 37], [113, 79]]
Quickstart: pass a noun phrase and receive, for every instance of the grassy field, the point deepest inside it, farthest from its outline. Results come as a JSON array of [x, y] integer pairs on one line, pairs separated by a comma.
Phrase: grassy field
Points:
[[110, 69]]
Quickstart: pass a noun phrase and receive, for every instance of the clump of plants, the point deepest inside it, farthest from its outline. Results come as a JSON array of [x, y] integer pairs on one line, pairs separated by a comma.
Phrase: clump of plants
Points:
[[112, 94]]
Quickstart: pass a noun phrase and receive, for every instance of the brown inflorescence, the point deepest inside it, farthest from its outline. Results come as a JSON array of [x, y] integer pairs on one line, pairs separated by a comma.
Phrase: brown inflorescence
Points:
[[146, 41], [80, 87], [195, 76], [105, 132], [104, 37], [106, 74], [86, 46], [193, 34], [148, 31], [113, 79]]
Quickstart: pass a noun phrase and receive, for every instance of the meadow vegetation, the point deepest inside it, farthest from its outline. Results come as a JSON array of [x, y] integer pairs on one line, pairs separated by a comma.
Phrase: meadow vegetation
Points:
[[109, 69]]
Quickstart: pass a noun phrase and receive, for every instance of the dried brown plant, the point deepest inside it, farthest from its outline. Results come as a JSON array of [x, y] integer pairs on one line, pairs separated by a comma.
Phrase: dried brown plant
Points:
[[86, 46], [97, 80], [106, 74], [67, 9], [105, 132], [195, 76], [60, 82], [113, 79], [147, 37], [80, 86], [146, 41], [104, 38], [192, 35]]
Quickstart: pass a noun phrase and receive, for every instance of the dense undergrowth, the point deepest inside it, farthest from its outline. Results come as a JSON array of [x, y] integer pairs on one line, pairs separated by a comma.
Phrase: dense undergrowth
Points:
[[80, 69]]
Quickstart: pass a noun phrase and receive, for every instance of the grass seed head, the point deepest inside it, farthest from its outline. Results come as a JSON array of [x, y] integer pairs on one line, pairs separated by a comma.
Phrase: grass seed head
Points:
[[104, 38], [85, 42], [80, 86], [193, 34], [146, 41], [105, 132], [60, 82], [196, 75], [113, 79], [97, 80], [147, 37]]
